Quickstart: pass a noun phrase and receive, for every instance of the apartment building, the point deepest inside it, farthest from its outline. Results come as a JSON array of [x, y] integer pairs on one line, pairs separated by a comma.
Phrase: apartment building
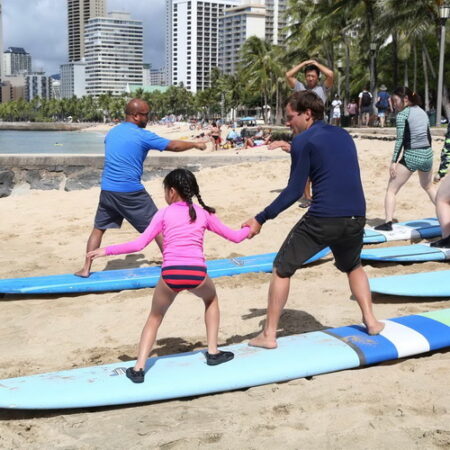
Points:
[[276, 20], [236, 26], [15, 61], [38, 85], [73, 79], [192, 40], [114, 47], [78, 13]]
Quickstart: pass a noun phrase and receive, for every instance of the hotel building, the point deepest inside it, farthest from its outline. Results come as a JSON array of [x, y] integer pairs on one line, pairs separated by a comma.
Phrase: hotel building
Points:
[[15, 61], [38, 85], [192, 40], [114, 47], [236, 26], [276, 20], [73, 79], [78, 13]]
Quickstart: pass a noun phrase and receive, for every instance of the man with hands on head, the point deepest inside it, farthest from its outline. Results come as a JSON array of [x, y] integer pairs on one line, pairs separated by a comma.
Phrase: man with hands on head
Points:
[[312, 70], [336, 218]]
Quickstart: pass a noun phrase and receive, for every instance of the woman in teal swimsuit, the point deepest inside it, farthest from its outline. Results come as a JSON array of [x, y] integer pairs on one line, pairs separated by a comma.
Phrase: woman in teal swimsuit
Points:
[[414, 138]]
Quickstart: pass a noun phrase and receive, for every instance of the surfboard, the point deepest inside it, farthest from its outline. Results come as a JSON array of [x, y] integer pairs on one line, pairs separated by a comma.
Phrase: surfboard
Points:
[[406, 253], [143, 277], [425, 284], [187, 374], [413, 229]]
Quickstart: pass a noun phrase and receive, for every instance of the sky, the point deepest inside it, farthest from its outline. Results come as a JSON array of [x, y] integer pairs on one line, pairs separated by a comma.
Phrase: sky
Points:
[[40, 27]]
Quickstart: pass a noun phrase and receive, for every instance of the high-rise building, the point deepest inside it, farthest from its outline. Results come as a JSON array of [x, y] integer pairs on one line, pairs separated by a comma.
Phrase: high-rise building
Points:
[[78, 13], [16, 60], [146, 80], [276, 20], [1, 41], [38, 85], [114, 53], [192, 40], [73, 79], [157, 77], [12, 88], [236, 26]]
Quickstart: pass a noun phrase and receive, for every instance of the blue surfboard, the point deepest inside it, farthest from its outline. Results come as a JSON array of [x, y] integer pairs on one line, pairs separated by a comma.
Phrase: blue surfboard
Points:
[[425, 284], [187, 374], [144, 277], [406, 253], [413, 229]]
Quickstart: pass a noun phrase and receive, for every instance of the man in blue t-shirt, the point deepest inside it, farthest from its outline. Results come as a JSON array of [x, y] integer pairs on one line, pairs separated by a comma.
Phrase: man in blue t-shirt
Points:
[[336, 218], [123, 195]]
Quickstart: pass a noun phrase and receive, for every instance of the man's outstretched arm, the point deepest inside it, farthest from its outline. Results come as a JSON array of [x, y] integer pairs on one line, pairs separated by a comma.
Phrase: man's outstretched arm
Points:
[[181, 146]]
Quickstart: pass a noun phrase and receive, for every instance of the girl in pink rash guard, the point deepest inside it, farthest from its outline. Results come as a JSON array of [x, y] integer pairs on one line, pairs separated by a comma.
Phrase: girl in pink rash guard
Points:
[[183, 226]]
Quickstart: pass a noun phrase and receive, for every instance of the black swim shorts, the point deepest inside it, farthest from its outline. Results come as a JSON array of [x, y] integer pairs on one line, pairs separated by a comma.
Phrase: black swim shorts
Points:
[[137, 208], [344, 235]]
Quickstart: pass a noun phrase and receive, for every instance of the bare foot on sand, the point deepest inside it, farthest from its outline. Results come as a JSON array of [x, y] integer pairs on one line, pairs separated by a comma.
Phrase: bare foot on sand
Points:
[[263, 341], [374, 328]]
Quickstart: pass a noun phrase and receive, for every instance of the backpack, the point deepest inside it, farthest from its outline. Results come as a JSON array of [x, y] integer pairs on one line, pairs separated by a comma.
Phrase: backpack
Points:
[[366, 99], [383, 102]]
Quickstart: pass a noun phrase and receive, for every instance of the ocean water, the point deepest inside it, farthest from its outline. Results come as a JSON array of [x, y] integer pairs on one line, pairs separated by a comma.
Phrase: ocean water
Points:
[[52, 142]]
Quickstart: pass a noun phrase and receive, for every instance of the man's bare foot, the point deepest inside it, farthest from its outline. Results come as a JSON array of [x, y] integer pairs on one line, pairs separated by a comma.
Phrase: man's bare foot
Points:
[[374, 328], [83, 273], [263, 341]]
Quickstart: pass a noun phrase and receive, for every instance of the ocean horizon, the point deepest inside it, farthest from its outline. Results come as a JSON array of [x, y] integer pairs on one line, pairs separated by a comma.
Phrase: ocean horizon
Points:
[[52, 142]]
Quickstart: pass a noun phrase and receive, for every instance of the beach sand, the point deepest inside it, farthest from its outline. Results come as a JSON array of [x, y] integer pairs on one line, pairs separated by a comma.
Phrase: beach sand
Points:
[[400, 404]]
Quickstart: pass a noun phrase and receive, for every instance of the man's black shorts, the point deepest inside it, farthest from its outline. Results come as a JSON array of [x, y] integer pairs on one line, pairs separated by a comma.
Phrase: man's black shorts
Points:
[[137, 208], [344, 235]]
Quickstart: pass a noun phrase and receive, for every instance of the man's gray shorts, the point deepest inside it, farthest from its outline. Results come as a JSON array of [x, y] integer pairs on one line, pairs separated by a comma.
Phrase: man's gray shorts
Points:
[[137, 208]]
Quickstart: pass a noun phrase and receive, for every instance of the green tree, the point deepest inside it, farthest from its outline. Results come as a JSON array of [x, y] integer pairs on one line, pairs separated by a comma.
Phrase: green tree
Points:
[[257, 68]]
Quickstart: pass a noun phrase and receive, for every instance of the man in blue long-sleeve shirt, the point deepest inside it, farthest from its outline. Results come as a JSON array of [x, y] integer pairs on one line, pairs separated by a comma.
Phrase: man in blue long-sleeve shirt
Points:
[[336, 218]]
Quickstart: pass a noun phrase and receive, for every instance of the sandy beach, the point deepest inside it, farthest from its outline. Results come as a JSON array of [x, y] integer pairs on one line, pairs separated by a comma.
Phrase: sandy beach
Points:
[[399, 404]]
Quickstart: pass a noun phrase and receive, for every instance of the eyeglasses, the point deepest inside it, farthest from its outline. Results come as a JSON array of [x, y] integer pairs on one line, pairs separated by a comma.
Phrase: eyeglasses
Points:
[[143, 113]]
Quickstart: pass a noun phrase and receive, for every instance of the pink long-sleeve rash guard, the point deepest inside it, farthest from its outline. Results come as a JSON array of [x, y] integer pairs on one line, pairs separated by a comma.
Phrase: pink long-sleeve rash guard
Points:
[[183, 239]]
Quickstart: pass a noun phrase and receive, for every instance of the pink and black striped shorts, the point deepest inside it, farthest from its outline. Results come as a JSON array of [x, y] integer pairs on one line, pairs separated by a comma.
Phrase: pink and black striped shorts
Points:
[[179, 278]]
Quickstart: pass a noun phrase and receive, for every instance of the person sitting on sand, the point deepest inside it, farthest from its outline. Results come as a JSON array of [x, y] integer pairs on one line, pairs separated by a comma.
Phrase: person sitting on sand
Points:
[[123, 195], [258, 139], [232, 138], [183, 225], [336, 218]]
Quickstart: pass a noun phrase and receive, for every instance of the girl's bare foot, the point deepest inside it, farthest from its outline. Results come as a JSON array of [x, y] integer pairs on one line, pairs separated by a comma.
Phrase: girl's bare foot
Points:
[[83, 273]]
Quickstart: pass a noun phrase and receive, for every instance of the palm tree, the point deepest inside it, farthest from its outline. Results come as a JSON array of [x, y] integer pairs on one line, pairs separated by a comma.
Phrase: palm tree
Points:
[[412, 22], [257, 68]]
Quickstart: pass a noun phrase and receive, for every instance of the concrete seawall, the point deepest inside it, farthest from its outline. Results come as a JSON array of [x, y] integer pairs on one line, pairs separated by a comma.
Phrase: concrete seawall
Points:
[[73, 172], [44, 126]]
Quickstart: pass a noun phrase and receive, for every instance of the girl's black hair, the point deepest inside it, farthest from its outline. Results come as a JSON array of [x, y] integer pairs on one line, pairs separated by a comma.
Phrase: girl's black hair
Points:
[[404, 91], [184, 182]]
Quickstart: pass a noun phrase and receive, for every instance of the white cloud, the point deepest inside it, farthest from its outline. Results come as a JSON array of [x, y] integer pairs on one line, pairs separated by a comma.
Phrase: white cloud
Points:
[[40, 27]]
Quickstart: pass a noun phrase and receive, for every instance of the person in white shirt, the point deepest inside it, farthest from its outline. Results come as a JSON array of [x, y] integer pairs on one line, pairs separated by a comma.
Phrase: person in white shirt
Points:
[[336, 111]]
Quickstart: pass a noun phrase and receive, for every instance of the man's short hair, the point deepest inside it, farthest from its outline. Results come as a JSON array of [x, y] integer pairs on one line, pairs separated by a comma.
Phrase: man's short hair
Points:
[[300, 101], [311, 67]]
